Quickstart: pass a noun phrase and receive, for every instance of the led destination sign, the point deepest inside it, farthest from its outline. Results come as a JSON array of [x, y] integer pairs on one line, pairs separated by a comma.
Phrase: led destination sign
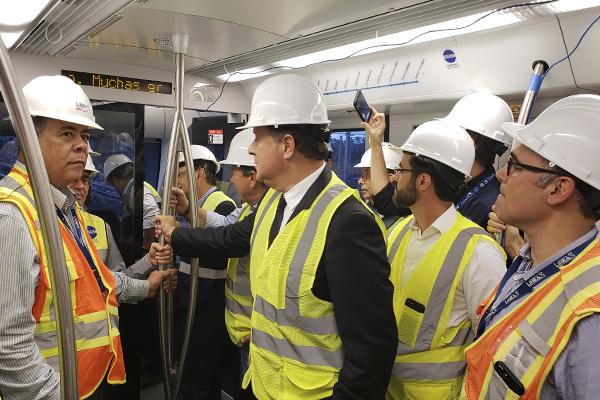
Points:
[[118, 82]]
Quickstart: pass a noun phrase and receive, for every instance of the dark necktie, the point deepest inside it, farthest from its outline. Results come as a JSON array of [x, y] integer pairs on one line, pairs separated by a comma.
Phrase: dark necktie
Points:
[[275, 227]]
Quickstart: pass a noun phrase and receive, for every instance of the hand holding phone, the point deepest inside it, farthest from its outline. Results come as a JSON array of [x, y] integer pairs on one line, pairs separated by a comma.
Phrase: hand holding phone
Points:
[[362, 107]]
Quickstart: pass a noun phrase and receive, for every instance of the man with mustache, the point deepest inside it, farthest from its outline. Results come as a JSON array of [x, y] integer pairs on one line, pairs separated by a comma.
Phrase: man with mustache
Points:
[[62, 116]]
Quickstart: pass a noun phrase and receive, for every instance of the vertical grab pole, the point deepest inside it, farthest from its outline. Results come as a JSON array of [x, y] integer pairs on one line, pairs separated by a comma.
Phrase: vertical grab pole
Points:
[[179, 142], [539, 69], [67, 355], [164, 311]]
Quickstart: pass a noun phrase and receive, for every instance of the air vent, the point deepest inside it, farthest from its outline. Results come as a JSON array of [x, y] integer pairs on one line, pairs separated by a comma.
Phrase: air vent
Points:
[[67, 50], [164, 43], [103, 25]]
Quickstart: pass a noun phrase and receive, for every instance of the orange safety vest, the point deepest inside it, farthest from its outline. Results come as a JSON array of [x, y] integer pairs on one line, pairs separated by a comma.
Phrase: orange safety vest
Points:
[[95, 316], [530, 338]]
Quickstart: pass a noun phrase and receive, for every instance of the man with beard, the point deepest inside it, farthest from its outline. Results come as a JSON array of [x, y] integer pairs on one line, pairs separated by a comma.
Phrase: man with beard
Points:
[[443, 265], [480, 115]]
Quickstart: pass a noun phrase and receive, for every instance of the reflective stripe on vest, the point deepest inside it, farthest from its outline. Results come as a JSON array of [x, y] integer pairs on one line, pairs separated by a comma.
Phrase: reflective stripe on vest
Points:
[[295, 349], [428, 350], [96, 228], [99, 354], [153, 192], [529, 338], [238, 297]]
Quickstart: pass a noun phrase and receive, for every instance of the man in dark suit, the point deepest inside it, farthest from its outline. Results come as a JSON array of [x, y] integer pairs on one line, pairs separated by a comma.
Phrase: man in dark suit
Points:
[[322, 322]]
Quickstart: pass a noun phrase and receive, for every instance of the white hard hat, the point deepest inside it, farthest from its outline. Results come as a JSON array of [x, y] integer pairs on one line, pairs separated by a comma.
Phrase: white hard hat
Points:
[[115, 161], [392, 158], [443, 142], [58, 97], [90, 167], [201, 153], [287, 100], [482, 113], [238, 150], [566, 134]]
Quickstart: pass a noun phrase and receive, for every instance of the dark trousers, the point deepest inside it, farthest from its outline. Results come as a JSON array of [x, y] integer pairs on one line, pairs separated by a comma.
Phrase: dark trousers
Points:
[[138, 325], [208, 367]]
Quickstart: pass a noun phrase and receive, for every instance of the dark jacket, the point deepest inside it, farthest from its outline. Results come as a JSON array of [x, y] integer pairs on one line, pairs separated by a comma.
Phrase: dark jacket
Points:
[[353, 274]]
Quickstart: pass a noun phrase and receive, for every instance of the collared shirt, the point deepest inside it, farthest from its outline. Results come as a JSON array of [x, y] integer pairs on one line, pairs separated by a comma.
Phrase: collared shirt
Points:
[[576, 371], [214, 220], [203, 198], [297, 192], [24, 374], [480, 277]]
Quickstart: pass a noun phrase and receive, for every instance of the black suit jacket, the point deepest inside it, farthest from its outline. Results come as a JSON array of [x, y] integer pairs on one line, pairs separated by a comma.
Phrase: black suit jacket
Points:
[[352, 274]]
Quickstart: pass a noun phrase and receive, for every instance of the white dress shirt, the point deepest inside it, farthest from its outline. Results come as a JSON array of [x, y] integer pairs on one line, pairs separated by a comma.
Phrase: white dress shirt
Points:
[[297, 192], [481, 275]]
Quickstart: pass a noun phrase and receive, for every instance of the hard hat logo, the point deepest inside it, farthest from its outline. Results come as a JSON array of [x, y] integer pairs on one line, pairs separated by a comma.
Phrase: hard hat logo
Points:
[[83, 107]]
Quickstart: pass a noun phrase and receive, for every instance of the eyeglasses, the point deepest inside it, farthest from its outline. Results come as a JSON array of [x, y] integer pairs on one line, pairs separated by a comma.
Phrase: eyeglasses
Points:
[[401, 170], [512, 162]]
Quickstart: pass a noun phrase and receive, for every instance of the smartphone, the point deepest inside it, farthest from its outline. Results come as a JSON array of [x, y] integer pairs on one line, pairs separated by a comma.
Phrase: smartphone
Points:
[[362, 107]]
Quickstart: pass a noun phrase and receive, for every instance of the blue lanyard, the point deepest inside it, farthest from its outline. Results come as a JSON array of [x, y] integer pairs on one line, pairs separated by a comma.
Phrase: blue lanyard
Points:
[[81, 244], [529, 285], [463, 200]]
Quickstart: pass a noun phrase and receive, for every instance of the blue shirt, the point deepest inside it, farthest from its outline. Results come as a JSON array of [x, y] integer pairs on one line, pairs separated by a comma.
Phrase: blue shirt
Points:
[[477, 207]]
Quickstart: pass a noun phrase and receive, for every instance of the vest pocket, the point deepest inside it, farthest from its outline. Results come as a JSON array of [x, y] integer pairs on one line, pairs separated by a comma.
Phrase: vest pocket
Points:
[[499, 389], [420, 390], [408, 326], [307, 382]]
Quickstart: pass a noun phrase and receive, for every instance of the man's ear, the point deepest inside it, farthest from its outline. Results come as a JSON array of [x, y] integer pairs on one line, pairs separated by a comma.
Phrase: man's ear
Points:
[[253, 180], [289, 146], [560, 190], [423, 182]]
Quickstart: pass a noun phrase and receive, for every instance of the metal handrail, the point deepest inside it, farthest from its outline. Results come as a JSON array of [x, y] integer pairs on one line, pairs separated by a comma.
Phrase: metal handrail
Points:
[[59, 280], [179, 141]]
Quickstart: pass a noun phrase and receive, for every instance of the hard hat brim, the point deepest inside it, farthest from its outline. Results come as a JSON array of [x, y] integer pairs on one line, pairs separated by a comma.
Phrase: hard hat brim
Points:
[[69, 118], [228, 162], [260, 124]]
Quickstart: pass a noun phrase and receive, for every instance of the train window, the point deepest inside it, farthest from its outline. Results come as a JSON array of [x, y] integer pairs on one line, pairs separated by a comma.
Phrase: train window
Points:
[[348, 147]]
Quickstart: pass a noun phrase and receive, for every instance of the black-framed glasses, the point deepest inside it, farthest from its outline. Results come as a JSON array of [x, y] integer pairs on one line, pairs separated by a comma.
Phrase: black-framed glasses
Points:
[[512, 162], [401, 170]]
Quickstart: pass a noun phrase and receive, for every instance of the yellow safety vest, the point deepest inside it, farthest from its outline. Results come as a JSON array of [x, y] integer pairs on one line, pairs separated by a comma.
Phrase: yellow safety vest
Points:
[[96, 228], [153, 191], [95, 315], [211, 203], [430, 363], [214, 199], [295, 350], [530, 338], [238, 297]]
